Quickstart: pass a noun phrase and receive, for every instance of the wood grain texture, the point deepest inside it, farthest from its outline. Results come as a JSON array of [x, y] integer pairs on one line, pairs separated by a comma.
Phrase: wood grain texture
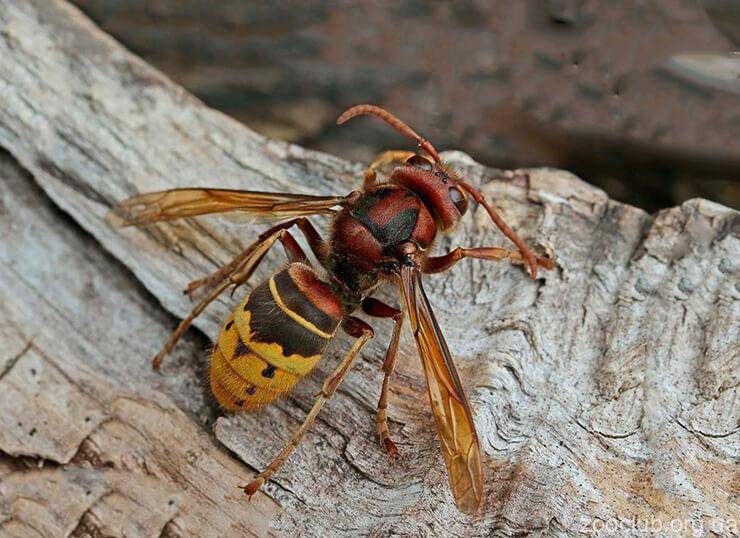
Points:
[[114, 447], [605, 392]]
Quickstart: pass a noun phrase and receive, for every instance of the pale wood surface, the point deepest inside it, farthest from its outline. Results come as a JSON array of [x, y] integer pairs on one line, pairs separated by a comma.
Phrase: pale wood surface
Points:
[[606, 390]]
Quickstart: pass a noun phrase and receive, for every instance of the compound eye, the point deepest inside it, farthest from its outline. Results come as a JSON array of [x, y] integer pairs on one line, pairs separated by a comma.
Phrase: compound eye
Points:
[[417, 161], [459, 199]]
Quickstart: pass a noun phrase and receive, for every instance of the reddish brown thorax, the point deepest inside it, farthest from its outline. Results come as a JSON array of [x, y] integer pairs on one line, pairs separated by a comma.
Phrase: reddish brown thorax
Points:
[[367, 234], [420, 198]]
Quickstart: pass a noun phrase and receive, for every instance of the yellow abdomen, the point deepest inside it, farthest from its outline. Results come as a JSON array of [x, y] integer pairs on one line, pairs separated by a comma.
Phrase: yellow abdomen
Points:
[[273, 338]]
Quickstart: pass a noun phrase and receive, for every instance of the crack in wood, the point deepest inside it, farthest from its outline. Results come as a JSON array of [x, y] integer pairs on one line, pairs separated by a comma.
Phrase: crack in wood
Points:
[[13, 360]]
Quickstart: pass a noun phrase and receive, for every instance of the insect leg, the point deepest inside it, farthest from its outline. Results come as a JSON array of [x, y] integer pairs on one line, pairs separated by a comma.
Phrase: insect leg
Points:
[[354, 327], [308, 230], [315, 242], [238, 276], [375, 308], [293, 250], [528, 255], [385, 159], [437, 264]]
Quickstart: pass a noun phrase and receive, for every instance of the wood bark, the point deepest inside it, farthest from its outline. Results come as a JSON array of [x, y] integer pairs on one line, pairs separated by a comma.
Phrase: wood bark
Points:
[[605, 391]]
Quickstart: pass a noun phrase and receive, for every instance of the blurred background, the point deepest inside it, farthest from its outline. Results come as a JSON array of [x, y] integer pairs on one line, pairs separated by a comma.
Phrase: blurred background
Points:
[[641, 98]]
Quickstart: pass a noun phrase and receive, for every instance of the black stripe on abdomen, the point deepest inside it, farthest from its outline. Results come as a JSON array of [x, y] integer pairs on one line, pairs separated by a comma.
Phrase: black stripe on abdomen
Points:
[[270, 325], [296, 301]]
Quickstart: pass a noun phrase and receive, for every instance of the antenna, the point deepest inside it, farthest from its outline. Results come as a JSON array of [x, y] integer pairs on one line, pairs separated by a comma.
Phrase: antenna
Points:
[[390, 119]]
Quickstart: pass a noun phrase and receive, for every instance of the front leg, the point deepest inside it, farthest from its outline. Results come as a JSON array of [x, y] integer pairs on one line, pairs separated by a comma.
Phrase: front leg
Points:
[[437, 264], [531, 259]]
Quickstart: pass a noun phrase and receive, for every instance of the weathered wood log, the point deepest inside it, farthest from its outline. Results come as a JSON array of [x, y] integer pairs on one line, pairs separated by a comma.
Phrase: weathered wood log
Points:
[[605, 392]]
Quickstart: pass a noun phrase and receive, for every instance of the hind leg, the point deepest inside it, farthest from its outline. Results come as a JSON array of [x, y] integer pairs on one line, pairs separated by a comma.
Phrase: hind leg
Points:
[[237, 275], [315, 242], [354, 327]]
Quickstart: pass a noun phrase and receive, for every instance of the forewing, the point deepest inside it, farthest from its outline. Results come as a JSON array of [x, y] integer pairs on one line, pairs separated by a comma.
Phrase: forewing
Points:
[[452, 415], [177, 203]]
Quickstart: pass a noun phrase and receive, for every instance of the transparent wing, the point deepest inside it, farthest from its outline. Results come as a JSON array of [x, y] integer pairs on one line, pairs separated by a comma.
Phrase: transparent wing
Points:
[[452, 415], [177, 203]]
